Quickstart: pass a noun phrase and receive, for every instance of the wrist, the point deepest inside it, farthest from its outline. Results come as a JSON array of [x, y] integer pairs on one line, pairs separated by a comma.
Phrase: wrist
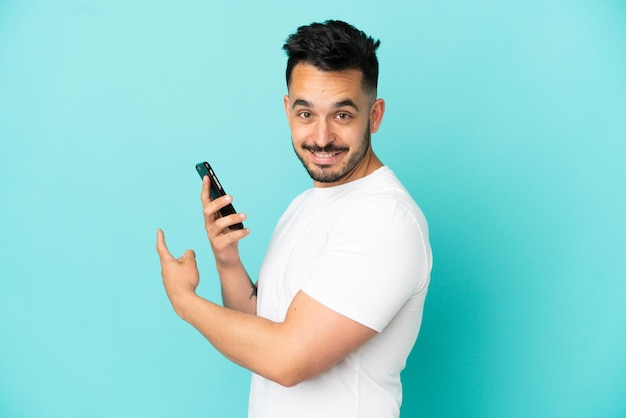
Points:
[[226, 269], [182, 303]]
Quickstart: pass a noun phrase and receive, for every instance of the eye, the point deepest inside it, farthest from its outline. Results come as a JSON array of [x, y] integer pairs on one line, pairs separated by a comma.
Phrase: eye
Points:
[[304, 114], [343, 116]]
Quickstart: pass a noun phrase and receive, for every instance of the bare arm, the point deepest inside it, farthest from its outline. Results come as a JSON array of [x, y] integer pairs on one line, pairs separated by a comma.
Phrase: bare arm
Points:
[[238, 291], [310, 340]]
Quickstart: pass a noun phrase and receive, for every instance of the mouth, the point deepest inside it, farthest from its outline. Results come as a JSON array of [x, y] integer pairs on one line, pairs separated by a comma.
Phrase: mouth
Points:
[[326, 155], [325, 158]]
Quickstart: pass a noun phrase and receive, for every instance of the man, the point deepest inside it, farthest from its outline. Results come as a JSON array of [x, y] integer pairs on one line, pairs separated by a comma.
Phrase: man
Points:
[[342, 288]]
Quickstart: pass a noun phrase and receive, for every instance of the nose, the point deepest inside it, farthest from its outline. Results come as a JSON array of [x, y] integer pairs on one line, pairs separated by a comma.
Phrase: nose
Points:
[[324, 134]]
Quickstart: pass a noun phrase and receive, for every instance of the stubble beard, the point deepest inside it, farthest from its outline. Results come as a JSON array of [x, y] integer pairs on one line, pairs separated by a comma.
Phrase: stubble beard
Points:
[[322, 173]]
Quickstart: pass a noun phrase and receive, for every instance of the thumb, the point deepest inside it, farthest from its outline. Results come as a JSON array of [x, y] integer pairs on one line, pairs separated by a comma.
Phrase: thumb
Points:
[[190, 256]]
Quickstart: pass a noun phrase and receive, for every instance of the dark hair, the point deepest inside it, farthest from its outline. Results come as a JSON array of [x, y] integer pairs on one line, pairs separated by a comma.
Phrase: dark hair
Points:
[[332, 46]]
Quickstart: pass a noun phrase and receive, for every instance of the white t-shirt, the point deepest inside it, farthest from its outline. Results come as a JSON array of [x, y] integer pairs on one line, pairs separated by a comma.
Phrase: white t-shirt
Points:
[[362, 250]]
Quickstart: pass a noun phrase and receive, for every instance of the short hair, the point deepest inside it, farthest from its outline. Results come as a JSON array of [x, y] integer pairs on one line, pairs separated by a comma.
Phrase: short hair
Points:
[[333, 46]]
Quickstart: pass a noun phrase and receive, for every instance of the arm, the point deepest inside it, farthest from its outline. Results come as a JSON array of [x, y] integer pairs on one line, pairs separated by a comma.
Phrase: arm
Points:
[[310, 340], [238, 291]]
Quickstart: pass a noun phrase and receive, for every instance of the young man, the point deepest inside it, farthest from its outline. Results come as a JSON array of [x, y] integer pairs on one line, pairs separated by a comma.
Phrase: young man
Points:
[[342, 288]]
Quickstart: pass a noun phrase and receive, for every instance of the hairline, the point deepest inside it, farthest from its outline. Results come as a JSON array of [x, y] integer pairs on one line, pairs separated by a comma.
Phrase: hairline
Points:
[[370, 91]]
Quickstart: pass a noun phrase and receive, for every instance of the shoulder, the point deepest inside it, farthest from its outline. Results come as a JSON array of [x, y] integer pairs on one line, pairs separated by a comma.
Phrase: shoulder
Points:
[[383, 196]]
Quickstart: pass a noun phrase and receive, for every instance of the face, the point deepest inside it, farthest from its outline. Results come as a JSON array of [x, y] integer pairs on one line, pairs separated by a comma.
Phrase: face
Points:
[[332, 118]]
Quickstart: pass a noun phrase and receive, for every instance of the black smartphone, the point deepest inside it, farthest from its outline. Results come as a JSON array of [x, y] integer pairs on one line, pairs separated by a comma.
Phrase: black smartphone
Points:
[[216, 189]]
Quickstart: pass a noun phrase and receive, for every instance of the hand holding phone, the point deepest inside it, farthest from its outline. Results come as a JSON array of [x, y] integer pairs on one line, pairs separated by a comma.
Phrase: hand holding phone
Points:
[[216, 190]]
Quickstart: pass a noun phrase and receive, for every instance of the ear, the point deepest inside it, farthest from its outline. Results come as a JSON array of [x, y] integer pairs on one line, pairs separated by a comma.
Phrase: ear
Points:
[[376, 115], [287, 104]]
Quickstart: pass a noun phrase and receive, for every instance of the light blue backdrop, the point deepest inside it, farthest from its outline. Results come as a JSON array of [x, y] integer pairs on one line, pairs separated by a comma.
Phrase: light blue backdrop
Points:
[[505, 120]]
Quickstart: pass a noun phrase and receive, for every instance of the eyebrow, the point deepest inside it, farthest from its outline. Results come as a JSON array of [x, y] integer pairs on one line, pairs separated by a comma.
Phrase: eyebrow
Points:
[[347, 102], [342, 103]]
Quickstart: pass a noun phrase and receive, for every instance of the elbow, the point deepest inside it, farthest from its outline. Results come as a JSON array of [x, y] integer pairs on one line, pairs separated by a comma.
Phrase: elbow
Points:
[[292, 379], [288, 381], [289, 374]]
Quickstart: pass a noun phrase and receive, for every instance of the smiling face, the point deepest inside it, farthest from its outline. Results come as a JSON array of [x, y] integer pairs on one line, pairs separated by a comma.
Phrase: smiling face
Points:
[[332, 118]]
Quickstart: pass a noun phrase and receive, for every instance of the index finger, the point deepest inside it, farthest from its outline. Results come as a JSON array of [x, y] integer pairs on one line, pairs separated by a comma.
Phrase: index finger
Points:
[[164, 253]]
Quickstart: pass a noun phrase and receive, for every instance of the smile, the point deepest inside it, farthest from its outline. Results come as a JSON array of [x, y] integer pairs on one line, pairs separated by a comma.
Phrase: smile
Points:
[[325, 158], [326, 154]]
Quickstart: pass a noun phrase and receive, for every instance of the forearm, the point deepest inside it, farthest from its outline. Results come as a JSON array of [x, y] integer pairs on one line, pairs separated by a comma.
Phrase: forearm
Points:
[[250, 341], [310, 340], [274, 350], [238, 291]]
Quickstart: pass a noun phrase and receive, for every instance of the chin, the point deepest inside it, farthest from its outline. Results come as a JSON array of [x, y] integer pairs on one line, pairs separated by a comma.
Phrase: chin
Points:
[[325, 175]]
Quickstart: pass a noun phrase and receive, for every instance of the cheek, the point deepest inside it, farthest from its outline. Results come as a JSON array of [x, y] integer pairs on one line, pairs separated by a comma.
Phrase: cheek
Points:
[[300, 132], [297, 139], [353, 134]]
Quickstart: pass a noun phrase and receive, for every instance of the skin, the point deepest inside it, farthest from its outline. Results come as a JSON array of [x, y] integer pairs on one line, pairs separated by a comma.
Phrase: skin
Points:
[[329, 112], [324, 109]]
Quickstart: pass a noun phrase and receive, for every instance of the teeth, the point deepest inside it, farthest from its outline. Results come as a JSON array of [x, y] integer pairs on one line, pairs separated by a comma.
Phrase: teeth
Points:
[[325, 154]]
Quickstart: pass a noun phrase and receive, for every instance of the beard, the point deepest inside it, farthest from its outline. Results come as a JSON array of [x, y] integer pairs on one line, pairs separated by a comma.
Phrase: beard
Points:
[[324, 173]]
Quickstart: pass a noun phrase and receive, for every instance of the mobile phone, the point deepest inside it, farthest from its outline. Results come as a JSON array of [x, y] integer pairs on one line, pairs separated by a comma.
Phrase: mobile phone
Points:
[[216, 189]]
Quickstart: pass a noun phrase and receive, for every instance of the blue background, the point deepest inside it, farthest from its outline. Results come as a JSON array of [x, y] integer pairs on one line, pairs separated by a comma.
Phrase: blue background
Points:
[[505, 120]]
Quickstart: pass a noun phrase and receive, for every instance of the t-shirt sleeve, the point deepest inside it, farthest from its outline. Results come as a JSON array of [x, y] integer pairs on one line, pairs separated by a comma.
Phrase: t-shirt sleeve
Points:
[[374, 262]]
